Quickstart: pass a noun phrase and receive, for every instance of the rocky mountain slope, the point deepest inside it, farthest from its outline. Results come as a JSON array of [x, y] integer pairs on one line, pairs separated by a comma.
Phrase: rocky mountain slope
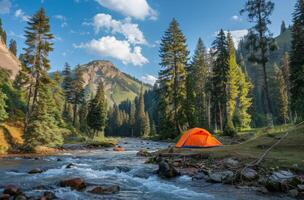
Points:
[[8, 60], [119, 86]]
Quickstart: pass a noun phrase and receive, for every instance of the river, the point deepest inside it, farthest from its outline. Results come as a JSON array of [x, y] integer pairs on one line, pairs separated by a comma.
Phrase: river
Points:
[[106, 167]]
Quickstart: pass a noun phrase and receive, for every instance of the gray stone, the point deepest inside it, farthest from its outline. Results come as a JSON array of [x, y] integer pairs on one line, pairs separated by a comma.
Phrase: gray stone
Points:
[[280, 180], [167, 170], [249, 174], [231, 163], [221, 177]]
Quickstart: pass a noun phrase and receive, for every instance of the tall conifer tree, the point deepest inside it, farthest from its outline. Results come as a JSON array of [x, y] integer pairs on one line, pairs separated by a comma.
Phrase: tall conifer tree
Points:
[[220, 73], [260, 43], [97, 114], [172, 81]]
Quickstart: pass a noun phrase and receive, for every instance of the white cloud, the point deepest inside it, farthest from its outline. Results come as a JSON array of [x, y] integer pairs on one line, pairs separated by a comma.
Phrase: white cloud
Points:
[[236, 18], [62, 19], [109, 46], [131, 31], [237, 35], [21, 15], [5, 6], [138, 9], [150, 79]]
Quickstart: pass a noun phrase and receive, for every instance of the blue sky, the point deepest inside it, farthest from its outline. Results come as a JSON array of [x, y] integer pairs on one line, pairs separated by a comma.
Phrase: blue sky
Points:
[[128, 32]]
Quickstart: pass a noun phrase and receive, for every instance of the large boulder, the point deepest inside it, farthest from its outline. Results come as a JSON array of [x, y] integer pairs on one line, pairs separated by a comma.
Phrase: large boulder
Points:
[[221, 177], [75, 183], [105, 190], [280, 181], [167, 170], [249, 174]]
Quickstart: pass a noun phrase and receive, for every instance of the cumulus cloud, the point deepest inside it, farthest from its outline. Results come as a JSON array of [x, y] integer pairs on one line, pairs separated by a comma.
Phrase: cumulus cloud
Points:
[[62, 19], [109, 46], [21, 15], [148, 78], [131, 31], [5, 6], [138, 9]]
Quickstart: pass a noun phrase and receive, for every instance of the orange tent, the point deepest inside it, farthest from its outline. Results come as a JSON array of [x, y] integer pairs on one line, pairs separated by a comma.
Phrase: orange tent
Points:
[[197, 138]]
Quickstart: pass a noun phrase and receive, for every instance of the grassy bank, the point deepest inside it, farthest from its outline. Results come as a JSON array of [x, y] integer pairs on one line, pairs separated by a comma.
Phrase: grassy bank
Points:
[[289, 153]]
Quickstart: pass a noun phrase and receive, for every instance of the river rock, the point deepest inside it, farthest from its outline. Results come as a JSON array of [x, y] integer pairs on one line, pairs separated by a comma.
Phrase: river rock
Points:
[[36, 171], [167, 170], [249, 174], [12, 190], [143, 153], [105, 189], [231, 163], [20, 197], [48, 196], [280, 180], [221, 177], [75, 183], [5, 197], [69, 166]]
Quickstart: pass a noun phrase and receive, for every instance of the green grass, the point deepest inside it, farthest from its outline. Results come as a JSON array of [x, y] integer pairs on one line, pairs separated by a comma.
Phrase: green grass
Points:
[[102, 141], [288, 154]]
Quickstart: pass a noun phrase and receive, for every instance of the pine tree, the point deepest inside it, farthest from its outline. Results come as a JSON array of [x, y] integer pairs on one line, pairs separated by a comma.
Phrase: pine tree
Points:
[[43, 124], [283, 94], [77, 92], [297, 61], [67, 90], [97, 115], [283, 27], [3, 113], [286, 73], [13, 47], [132, 118], [196, 87], [220, 73], [172, 81], [260, 43], [244, 99], [147, 131], [141, 119], [232, 87], [38, 45], [82, 116]]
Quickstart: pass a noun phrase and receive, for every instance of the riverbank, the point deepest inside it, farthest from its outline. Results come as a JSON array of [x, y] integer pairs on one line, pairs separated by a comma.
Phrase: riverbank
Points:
[[239, 161], [106, 169]]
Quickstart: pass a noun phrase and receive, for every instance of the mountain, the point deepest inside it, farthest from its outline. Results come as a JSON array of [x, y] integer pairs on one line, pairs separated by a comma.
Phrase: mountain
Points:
[[8, 60], [119, 86]]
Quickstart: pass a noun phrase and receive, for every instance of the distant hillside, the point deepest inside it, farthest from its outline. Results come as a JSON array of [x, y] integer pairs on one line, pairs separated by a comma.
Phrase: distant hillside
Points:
[[8, 60], [119, 86]]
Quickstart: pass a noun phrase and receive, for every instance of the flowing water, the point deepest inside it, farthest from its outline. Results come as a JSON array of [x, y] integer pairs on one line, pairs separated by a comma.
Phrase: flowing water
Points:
[[106, 167]]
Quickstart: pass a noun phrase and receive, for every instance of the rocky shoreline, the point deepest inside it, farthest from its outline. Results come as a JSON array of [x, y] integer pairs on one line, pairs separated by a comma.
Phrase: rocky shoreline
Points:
[[229, 171]]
